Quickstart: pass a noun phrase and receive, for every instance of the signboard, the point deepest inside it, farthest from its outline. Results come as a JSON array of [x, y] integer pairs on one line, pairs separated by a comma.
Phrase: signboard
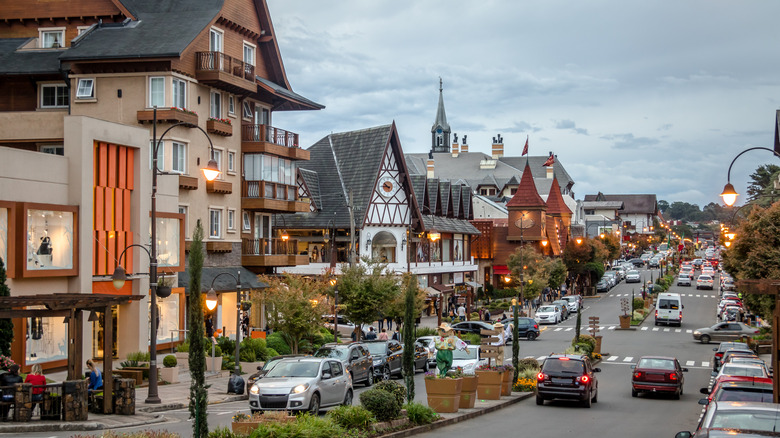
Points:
[[457, 277]]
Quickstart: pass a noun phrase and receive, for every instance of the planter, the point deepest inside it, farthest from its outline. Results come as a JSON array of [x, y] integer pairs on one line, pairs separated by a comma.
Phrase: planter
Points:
[[219, 128], [163, 291], [170, 375], [598, 344], [214, 364], [625, 321], [183, 359], [443, 394], [489, 384], [506, 382], [244, 427], [468, 392]]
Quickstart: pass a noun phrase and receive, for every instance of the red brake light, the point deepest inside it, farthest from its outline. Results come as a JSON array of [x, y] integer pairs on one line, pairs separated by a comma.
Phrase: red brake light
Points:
[[673, 376], [563, 358], [536, 327], [540, 377], [638, 375], [584, 379]]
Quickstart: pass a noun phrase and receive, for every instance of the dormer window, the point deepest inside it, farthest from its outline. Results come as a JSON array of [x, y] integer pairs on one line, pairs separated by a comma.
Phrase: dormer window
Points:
[[51, 38]]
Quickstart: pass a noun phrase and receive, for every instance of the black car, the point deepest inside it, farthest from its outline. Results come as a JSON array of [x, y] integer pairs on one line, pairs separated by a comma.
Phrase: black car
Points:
[[567, 376], [472, 327], [637, 262], [421, 357], [526, 328], [355, 358], [387, 357]]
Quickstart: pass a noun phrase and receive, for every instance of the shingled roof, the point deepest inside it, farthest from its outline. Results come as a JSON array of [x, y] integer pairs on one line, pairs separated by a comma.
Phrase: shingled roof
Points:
[[14, 61], [632, 204], [526, 195], [555, 203]]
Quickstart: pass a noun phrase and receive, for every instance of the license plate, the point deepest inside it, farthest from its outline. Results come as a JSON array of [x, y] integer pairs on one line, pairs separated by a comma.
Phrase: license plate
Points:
[[561, 381]]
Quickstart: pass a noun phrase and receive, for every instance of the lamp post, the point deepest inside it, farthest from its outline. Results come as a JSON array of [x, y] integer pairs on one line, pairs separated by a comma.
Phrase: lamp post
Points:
[[211, 171], [334, 283], [239, 298], [729, 195]]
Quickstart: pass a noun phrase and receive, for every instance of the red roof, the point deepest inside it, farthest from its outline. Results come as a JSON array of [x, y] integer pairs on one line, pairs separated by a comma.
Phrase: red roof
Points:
[[526, 194], [555, 203]]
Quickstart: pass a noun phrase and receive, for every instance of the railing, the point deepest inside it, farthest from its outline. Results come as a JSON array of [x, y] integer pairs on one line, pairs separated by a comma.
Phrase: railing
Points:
[[272, 246], [227, 64], [46, 402], [268, 190], [269, 134]]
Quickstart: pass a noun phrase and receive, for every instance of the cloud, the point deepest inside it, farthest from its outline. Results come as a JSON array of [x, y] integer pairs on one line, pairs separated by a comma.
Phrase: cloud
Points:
[[521, 127], [628, 141], [570, 125]]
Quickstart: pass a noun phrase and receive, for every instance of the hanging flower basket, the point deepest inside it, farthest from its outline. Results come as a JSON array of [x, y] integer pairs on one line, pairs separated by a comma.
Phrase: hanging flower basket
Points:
[[443, 394], [163, 291]]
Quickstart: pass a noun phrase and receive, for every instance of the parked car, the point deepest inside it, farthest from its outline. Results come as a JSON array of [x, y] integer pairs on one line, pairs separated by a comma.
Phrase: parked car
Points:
[[734, 418], [549, 314], [723, 331], [526, 328], [302, 384], [728, 284], [387, 357], [602, 285], [430, 348], [567, 376], [633, 277], [468, 360], [475, 327], [704, 282], [620, 271], [564, 308], [639, 263], [739, 391], [683, 280], [575, 301], [262, 370], [723, 348], [657, 374], [613, 278], [346, 327], [355, 358]]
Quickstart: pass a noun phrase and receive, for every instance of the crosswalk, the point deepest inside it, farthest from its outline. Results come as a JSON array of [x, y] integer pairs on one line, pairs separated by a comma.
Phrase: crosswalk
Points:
[[630, 360], [613, 327], [638, 295]]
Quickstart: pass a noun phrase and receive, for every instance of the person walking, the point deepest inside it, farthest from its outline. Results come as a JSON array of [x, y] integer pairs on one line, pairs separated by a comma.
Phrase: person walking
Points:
[[462, 312], [487, 314]]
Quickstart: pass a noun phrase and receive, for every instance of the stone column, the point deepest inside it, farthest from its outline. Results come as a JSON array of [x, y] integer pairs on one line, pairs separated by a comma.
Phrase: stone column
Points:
[[22, 402], [124, 396], [76, 404]]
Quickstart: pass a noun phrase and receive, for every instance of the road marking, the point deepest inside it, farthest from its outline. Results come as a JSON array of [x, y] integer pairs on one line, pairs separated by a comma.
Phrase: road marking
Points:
[[655, 329], [612, 327], [690, 363], [612, 358], [689, 331], [698, 296], [569, 329], [628, 359], [558, 329], [677, 330], [666, 329], [705, 364], [645, 328]]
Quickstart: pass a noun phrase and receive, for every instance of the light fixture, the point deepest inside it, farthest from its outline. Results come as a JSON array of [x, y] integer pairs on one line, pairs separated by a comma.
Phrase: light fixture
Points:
[[507, 279], [211, 299], [731, 236], [579, 240], [326, 236], [93, 316], [601, 235], [727, 243], [403, 243], [119, 277], [211, 171], [286, 236], [434, 235], [729, 195], [333, 281], [368, 241], [545, 242]]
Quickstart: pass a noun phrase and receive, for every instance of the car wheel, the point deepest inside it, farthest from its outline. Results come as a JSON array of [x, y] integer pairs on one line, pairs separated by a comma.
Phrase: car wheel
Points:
[[539, 400], [596, 397], [531, 336], [370, 378], [386, 373], [634, 393], [705, 339], [314, 405], [426, 367], [348, 398], [588, 402], [676, 396]]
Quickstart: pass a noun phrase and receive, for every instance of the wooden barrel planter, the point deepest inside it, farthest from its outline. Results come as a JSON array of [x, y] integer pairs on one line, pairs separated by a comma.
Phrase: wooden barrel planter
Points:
[[489, 384], [468, 392], [506, 382], [443, 394]]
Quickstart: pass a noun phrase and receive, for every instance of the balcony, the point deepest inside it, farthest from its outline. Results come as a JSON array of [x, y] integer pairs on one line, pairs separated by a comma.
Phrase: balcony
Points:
[[268, 196], [169, 115], [271, 252], [266, 139], [225, 72]]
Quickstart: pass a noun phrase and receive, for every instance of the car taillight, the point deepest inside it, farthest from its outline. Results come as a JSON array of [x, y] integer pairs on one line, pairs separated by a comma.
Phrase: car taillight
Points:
[[656, 314], [584, 379], [719, 355], [638, 375], [672, 376], [755, 331], [536, 327], [540, 377]]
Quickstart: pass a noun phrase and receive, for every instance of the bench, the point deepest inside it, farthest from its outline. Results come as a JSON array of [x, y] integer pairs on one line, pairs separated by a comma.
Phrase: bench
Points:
[[137, 375]]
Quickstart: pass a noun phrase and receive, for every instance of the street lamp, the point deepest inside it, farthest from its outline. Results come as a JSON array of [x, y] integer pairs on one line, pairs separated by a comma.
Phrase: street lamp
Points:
[[729, 195], [239, 298], [334, 283]]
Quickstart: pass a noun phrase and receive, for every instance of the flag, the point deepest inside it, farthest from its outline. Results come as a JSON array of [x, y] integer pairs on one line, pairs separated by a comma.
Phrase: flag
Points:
[[550, 161], [525, 149]]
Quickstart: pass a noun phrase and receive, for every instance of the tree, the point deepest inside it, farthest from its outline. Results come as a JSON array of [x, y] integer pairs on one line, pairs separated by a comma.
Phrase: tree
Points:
[[396, 307], [558, 274], [760, 180], [663, 206], [365, 289], [199, 397], [411, 292], [612, 243], [529, 265], [296, 306], [585, 260], [6, 324]]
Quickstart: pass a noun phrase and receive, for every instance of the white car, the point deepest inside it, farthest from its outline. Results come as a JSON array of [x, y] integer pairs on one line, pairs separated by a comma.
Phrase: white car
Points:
[[704, 282], [633, 277], [430, 348], [468, 359], [548, 315], [742, 370], [574, 303]]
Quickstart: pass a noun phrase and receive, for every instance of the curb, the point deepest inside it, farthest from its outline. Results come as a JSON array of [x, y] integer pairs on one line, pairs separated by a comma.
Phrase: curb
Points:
[[174, 406], [448, 421], [75, 427]]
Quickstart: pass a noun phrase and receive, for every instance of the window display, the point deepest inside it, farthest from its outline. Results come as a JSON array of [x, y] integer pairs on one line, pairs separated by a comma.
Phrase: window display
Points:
[[46, 339], [168, 241], [50, 240], [168, 312]]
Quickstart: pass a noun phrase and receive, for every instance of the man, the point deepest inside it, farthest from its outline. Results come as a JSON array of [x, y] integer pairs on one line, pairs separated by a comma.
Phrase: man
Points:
[[462, 312], [371, 335]]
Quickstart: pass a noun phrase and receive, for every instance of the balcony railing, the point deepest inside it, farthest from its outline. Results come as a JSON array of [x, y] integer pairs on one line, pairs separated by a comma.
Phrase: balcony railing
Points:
[[269, 134], [265, 246], [268, 190], [218, 61]]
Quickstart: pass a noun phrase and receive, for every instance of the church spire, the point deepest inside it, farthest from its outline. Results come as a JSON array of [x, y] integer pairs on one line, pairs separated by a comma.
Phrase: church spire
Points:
[[440, 132]]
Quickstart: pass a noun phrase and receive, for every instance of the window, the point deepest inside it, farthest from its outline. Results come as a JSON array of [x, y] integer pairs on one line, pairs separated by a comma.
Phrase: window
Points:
[[215, 223], [160, 155], [247, 110], [53, 149], [157, 91], [231, 220], [85, 89], [51, 38], [179, 157], [82, 29], [183, 209], [215, 40], [249, 53], [54, 96], [218, 159], [246, 224], [231, 105], [216, 105], [231, 161], [51, 239], [179, 93]]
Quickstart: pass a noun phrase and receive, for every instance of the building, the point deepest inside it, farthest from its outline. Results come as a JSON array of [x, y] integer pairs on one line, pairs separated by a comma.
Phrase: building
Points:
[[638, 213], [82, 83], [602, 217]]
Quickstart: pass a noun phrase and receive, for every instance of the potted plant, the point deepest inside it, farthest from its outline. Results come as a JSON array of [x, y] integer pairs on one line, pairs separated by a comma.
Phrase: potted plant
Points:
[[213, 364], [244, 424], [170, 370], [183, 351], [625, 318], [443, 392], [164, 285], [468, 389], [489, 382], [246, 305], [506, 381]]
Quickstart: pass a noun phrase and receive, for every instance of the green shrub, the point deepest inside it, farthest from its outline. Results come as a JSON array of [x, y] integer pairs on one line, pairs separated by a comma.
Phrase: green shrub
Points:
[[170, 361], [528, 363], [395, 388], [307, 425], [638, 303], [471, 338], [226, 344], [474, 316], [583, 348], [139, 356], [352, 417], [271, 353], [426, 331], [184, 347], [585, 339], [129, 364], [276, 341], [528, 373], [257, 346], [248, 355], [223, 432], [382, 404], [420, 414]]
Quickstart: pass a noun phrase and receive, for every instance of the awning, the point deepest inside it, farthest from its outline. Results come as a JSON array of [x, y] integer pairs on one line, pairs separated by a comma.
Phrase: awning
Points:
[[224, 283], [473, 284], [432, 292], [443, 288], [500, 270]]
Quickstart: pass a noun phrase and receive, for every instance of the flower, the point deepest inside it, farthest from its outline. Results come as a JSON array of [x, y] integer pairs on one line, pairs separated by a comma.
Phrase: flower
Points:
[[239, 417], [6, 362], [225, 121], [184, 110]]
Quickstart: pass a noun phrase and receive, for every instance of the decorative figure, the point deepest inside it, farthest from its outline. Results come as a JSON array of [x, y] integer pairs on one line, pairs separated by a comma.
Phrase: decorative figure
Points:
[[445, 343]]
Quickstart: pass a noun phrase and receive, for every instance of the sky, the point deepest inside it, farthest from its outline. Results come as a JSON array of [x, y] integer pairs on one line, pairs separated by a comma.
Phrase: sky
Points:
[[634, 97]]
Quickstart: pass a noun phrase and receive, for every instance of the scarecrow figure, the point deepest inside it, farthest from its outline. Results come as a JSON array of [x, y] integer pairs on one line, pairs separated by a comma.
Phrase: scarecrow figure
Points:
[[445, 343]]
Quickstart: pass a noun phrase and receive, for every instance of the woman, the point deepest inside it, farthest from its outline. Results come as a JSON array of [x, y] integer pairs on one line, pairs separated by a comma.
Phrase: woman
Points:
[[37, 379], [95, 377]]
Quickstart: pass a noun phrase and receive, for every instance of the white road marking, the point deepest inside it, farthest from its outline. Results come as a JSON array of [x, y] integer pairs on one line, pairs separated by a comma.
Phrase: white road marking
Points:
[[558, 329], [698, 296], [645, 328], [705, 364], [569, 329], [628, 359], [655, 329], [666, 329], [677, 330], [612, 358], [689, 331], [612, 327], [690, 363]]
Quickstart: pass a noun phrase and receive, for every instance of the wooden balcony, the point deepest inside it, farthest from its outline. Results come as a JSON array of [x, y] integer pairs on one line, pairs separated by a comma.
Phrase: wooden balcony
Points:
[[219, 187], [266, 139], [267, 196], [271, 252], [168, 115], [225, 72], [219, 128], [188, 182]]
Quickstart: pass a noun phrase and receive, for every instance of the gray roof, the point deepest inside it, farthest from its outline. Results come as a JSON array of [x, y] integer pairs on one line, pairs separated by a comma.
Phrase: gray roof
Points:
[[449, 225], [441, 115], [224, 283], [278, 89], [641, 204], [603, 205], [27, 62], [312, 181], [539, 171]]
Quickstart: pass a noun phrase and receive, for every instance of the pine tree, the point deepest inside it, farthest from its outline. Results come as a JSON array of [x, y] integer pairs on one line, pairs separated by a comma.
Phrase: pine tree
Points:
[[197, 358], [410, 293], [6, 324]]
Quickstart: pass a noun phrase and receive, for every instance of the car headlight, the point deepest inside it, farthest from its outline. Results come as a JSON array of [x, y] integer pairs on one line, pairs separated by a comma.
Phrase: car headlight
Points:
[[300, 389], [254, 390], [377, 361], [696, 332]]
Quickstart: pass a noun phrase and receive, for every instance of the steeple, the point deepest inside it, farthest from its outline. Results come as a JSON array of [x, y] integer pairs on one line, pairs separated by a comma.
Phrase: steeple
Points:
[[440, 132]]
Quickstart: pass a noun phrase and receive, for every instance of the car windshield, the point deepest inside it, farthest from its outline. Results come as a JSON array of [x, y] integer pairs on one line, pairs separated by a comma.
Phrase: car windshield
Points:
[[667, 304], [705, 277], [333, 353], [563, 366], [684, 276], [767, 421], [467, 354], [546, 309], [377, 348], [294, 369], [660, 364], [736, 370], [744, 395]]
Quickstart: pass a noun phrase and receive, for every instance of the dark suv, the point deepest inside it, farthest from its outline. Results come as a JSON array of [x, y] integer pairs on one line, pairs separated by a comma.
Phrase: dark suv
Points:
[[355, 358], [526, 327], [567, 376], [387, 358]]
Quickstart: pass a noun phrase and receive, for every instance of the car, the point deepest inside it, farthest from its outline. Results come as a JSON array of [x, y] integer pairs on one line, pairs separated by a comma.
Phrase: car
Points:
[[708, 271], [567, 376], [475, 327], [739, 391], [657, 374], [728, 302], [730, 355], [467, 360], [526, 327], [723, 348], [633, 276], [354, 357], [261, 370], [620, 272], [430, 347], [728, 284], [575, 301], [548, 314], [684, 280], [638, 263], [745, 358], [654, 262], [723, 331], [646, 256], [387, 357], [602, 285], [564, 308], [730, 313], [749, 371], [697, 263], [346, 327], [302, 384], [727, 418], [704, 282], [612, 277], [669, 309]]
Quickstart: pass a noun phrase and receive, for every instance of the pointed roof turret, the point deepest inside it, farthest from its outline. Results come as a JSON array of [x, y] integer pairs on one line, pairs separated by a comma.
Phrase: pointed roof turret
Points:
[[441, 115], [526, 194], [555, 203]]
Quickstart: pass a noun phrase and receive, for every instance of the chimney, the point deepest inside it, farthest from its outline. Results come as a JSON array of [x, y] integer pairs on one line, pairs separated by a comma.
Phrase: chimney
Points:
[[464, 148], [455, 149], [429, 165], [498, 147], [550, 169]]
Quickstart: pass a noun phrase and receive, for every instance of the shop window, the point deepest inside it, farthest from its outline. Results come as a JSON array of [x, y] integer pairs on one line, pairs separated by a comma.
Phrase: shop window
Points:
[[50, 240], [46, 339], [459, 248], [446, 245], [169, 231], [168, 311]]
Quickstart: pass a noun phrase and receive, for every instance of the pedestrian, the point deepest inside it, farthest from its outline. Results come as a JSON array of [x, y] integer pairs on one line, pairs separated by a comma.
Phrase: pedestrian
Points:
[[371, 335], [380, 322], [382, 335], [487, 314], [462, 312], [396, 334], [37, 380], [354, 334], [389, 323]]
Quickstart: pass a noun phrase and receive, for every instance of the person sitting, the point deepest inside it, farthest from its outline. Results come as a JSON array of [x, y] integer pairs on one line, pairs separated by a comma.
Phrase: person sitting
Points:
[[383, 335], [371, 335], [7, 380], [95, 377], [38, 381]]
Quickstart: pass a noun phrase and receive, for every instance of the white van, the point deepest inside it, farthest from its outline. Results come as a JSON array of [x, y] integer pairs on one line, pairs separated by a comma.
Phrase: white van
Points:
[[668, 309]]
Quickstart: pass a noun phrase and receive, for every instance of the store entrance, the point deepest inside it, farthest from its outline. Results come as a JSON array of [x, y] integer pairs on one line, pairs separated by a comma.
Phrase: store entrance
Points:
[[98, 331]]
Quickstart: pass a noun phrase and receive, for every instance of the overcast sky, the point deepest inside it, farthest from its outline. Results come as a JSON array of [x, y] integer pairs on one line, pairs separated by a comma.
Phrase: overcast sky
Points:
[[633, 97]]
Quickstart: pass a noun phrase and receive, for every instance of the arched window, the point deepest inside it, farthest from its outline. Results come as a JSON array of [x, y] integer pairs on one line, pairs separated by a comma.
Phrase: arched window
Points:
[[383, 245]]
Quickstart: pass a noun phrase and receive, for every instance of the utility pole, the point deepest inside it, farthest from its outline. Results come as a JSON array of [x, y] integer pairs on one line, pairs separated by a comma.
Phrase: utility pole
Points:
[[351, 230]]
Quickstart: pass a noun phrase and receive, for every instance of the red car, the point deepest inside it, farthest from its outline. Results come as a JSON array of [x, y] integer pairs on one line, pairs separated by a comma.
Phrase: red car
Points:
[[657, 374]]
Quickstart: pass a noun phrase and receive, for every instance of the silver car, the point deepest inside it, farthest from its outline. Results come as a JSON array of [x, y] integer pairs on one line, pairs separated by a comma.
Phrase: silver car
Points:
[[723, 331], [302, 384]]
